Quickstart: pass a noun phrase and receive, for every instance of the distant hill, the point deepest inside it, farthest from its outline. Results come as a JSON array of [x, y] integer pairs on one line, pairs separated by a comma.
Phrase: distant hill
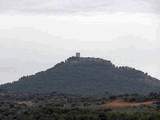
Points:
[[86, 76]]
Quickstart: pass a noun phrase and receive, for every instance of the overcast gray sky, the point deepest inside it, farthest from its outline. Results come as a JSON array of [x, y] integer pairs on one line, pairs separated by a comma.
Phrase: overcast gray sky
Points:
[[36, 34], [70, 6]]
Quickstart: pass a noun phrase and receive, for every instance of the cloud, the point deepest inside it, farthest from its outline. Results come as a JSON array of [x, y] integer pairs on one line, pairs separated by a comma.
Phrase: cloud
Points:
[[75, 6]]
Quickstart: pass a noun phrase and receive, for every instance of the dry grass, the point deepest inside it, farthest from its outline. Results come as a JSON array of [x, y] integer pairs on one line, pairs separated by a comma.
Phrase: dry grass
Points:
[[124, 104], [28, 103]]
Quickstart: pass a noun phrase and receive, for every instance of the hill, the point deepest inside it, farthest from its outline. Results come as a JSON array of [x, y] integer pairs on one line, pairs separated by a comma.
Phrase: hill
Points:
[[86, 76]]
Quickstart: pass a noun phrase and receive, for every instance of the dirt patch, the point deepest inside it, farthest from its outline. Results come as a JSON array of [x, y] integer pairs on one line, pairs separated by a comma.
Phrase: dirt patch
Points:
[[28, 103], [124, 104]]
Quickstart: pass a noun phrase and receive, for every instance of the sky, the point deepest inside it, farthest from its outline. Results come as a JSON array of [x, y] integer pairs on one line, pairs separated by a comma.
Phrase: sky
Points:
[[37, 34]]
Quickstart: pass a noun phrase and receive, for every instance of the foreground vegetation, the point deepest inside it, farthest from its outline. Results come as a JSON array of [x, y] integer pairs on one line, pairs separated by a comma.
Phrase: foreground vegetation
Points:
[[67, 107], [49, 112]]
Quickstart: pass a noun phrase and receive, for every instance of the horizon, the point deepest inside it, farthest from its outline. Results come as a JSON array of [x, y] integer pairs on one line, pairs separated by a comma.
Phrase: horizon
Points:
[[36, 35]]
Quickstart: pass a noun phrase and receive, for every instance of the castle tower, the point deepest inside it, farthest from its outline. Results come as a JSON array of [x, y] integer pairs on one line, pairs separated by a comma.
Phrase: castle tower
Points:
[[78, 55]]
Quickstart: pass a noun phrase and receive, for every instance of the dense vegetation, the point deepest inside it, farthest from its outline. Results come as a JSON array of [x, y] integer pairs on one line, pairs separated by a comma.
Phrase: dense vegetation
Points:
[[64, 107], [86, 76], [51, 113]]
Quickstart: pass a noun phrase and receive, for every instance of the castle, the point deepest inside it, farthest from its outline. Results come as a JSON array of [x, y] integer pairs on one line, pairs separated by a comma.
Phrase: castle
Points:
[[78, 55]]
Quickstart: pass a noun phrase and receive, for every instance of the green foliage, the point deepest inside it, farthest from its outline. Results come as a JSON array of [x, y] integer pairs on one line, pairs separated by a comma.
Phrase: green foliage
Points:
[[59, 107], [53, 113]]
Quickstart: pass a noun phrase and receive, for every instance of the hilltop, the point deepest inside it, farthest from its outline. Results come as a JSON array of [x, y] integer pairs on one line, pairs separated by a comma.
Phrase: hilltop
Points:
[[86, 76]]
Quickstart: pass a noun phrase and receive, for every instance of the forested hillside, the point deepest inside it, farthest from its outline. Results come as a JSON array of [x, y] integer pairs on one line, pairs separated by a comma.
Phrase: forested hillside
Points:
[[86, 76]]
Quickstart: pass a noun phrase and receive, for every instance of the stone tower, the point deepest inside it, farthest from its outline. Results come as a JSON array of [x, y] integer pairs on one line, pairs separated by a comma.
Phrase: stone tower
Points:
[[78, 55]]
